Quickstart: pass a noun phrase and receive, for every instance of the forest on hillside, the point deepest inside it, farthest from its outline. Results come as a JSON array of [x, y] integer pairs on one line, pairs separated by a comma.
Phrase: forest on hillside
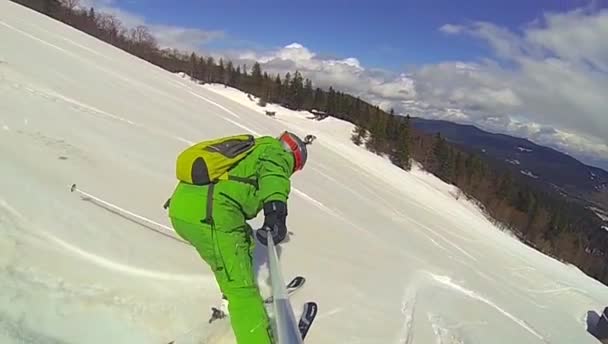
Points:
[[551, 223]]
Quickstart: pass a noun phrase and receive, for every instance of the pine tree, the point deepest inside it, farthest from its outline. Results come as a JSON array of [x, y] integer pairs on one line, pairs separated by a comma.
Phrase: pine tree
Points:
[[400, 156], [201, 69], [220, 71], [277, 90], [210, 70], [378, 139], [256, 79], [319, 100], [297, 91], [308, 95], [193, 66], [394, 126], [330, 105], [286, 90], [441, 154], [229, 74]]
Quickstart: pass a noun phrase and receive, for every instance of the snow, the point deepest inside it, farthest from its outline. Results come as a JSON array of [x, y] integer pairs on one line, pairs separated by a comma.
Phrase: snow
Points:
[[525, 150], [513, 162], [394, 257], [529, 174]]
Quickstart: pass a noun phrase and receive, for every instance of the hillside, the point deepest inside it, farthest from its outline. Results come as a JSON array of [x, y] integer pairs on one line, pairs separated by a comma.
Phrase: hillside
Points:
[[391, 256], [550, 167]]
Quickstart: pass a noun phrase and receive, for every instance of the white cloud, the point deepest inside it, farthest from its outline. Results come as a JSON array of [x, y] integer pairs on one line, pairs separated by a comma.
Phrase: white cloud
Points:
[[546, 82], [553, 75], [451, 28], [183, 38], [343, 74], [555, 101]]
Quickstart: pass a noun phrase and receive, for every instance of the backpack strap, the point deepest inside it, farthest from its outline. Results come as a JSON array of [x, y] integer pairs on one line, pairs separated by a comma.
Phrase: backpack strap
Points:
[[209, 216]]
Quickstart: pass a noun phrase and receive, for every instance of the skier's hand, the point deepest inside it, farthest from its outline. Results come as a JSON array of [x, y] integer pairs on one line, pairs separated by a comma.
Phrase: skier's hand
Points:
[[275, 213]]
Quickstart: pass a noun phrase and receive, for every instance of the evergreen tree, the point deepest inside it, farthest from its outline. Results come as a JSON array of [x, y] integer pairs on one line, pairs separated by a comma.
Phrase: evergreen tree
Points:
[[210, 69], [286, 89], [229, 74], [319, 100], [308, 95], [401, 155], [220, 71], [256, 77], [237, 76], [330, 105], [441, 153], [378, 137], [194, 66], [297, 91], [277, 94]]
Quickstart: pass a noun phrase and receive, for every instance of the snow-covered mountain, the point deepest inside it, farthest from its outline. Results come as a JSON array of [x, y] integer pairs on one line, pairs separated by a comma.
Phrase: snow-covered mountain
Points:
[[390, 256]]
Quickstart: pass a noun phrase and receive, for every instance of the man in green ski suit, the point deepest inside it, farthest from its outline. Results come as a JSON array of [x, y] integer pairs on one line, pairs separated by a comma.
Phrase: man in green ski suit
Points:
[[225, 242]]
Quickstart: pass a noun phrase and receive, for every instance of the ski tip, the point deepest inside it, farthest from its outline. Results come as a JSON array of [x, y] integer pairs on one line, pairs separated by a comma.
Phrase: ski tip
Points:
[[312, 306]]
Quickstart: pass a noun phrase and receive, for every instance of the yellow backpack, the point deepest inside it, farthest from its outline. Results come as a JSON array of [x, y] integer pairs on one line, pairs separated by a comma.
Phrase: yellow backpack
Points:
[[209, 161]]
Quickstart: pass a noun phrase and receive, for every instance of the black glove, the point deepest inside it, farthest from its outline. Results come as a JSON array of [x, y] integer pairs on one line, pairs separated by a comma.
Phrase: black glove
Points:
[[275, 213]]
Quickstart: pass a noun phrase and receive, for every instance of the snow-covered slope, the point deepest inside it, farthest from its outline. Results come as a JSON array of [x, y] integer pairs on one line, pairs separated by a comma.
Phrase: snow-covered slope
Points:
[[390, 256]]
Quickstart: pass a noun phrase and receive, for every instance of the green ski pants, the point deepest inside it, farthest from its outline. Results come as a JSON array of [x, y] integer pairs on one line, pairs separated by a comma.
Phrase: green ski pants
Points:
[[230, 256]]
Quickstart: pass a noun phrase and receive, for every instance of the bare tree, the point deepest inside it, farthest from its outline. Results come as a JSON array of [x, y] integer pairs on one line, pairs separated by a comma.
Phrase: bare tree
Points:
[[70, 5], [111, 26], [142, 41]]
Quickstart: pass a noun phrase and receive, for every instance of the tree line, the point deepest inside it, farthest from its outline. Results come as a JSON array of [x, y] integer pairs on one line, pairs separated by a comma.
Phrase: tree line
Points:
[[544, 219]]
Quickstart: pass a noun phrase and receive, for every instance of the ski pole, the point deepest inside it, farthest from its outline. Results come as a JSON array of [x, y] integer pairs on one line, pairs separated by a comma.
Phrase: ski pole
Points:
[[74, 188], [287, 328]]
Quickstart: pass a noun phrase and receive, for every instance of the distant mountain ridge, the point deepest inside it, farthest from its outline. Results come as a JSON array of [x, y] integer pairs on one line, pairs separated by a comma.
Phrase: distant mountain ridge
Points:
[[543, 164]]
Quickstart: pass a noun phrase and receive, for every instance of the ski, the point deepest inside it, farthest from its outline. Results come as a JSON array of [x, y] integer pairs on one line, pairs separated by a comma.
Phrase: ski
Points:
[[293, 286], [307, 317]]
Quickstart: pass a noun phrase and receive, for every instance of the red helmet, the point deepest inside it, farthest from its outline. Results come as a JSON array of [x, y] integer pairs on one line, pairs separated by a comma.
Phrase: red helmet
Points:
[[291, 142]]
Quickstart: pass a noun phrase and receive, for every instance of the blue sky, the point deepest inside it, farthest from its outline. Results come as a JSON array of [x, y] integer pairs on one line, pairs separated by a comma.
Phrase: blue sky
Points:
[[381, 34], [530, 68]]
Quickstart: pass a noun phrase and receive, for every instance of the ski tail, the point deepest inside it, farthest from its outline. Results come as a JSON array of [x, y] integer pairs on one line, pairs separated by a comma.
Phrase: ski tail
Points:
[[294, 285], [307, 318]]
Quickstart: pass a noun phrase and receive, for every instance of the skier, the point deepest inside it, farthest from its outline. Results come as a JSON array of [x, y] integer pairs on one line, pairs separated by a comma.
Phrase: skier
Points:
[[212, 217]]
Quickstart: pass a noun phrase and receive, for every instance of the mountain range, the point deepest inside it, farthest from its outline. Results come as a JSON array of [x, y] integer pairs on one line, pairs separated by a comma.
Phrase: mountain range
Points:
[[544, 166]]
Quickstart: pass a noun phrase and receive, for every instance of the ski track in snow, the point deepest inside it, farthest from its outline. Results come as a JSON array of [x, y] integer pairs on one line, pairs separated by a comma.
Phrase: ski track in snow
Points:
[[408, 308], [91, 108], [119, 76], [420, 227], [241, 126], [231, 113], [127, 269], [442, 333], [447, 281], [12, 211]]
